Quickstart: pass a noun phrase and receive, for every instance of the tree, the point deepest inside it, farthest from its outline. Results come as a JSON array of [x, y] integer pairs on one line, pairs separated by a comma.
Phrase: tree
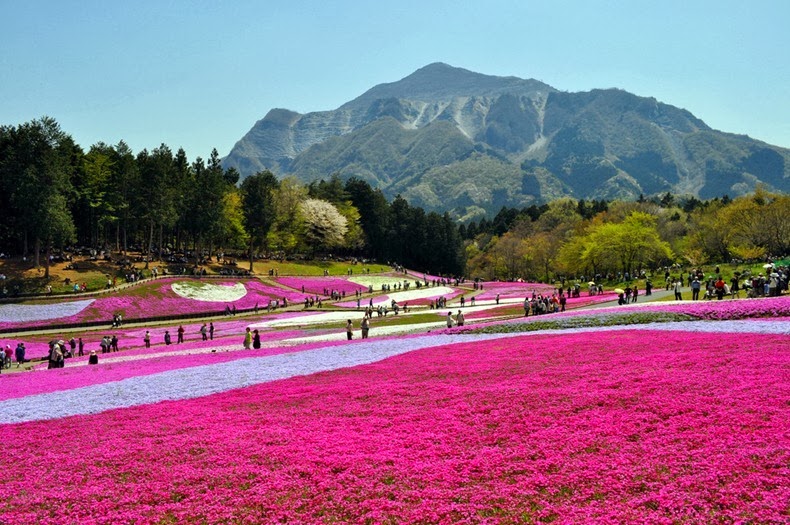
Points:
[[159, 195], [288, 227], [629, 245], [258, 204], [325, 227], [94, 191], [374, 215], [40, 163]]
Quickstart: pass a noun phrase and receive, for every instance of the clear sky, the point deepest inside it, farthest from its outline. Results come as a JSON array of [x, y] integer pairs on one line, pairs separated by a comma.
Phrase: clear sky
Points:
[[199, 74]]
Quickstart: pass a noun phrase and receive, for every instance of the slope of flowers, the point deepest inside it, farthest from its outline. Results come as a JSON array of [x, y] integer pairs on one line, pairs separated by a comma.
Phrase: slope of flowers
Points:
[[729, 309], [774, 307], [513, 290], [154, 299], [24, 313], [413, 296], [587, 428], [321, 285]]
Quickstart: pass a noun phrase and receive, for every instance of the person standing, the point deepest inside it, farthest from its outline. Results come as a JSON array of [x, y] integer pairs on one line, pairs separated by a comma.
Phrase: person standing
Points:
[[19, 354], [93, 359], [256, 339], [204, 332], [497, 298], [677, 286], [459, 319], [211, 330], [365, 327], [146, 340], [81, 347], [167, 337], [449, 319], [695, 287], [180, 334], [247, 339], [114, 343], [350, 330]]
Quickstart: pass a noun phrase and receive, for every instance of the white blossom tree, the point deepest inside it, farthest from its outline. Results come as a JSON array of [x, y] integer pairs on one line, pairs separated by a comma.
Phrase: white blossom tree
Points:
[[324, 226]]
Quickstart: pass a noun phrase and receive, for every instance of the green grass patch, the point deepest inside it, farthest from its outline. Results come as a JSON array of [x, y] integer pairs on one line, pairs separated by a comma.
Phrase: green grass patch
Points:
[[313, 268]]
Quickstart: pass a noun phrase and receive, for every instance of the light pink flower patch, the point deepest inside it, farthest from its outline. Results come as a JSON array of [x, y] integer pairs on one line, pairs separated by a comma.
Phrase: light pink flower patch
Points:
[[577, 428]]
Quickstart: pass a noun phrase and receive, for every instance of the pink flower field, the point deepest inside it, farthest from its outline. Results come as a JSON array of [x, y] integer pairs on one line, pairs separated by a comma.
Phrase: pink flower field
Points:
[[157, 298], [317, 285], [512, 290], [617, 427]]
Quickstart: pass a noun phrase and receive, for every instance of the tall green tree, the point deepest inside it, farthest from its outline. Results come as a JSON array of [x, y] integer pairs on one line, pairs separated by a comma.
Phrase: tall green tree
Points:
[[258, 205]]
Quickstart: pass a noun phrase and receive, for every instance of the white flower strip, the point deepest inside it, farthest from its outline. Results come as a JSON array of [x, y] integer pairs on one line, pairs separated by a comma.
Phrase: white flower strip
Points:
[[209, 292], [410, 295], [200, 381], [21, 313]]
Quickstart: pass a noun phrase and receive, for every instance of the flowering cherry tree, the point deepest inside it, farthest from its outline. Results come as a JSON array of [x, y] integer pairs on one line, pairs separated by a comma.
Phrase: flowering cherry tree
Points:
[[325, 227]]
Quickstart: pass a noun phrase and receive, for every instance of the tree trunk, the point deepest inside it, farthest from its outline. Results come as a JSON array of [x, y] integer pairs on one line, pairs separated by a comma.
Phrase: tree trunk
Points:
[[252, 249], [161, 236], [150, 243], [37, 248], [46, 264]]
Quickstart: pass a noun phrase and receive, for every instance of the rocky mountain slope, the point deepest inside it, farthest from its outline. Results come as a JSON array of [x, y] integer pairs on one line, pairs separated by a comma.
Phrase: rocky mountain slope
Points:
[[450, 139]]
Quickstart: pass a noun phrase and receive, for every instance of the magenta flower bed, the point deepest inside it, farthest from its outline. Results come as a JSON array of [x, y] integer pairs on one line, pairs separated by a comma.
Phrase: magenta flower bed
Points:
[[587, 428], [317, 285], [729, 309], [512, 290]]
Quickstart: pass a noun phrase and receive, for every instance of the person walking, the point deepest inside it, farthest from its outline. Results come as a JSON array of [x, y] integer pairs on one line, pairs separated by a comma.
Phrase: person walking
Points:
[[247, 339], [350, 330], [204, 332], [677, 286], [81, 347], [450, 320], [256, 339], [695, 288]]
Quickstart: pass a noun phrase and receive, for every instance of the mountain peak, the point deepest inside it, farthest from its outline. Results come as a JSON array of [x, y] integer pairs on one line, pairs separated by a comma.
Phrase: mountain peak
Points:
[[440, 82]]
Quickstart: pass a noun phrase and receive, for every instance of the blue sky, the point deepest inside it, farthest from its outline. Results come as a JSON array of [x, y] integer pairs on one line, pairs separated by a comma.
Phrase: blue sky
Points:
[[199, 74]]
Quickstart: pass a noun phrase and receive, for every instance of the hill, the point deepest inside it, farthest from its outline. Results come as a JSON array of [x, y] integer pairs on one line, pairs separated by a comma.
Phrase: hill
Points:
[[451, 139]]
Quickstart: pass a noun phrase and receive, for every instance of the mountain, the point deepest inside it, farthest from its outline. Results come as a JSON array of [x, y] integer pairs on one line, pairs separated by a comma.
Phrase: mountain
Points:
[[450, 139]]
